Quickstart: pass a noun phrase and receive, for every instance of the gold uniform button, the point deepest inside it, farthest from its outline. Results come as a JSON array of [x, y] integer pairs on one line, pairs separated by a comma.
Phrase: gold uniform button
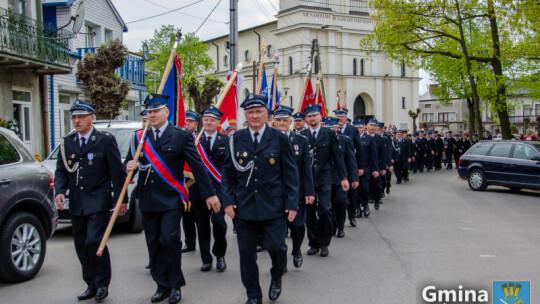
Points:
[[82, 188]]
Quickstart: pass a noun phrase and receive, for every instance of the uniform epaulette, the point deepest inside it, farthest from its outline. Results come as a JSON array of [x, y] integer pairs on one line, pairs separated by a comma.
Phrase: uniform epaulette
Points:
[[302, 135], [106, 133]]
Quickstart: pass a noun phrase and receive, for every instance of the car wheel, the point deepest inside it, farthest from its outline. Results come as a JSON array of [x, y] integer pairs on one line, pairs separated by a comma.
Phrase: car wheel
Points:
[[134, 225], [477, 180], [515, 189], [22, 247]]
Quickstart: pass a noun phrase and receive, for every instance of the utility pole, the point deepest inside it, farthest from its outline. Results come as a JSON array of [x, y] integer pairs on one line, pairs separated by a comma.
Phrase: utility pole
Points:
[[233, 34], [315, 49]]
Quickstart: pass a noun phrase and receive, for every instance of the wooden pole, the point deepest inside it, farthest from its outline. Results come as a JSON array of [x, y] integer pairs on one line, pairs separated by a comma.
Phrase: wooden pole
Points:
[[122, 195], [261, 67], [304, 88], [274, 85], [338, 102]]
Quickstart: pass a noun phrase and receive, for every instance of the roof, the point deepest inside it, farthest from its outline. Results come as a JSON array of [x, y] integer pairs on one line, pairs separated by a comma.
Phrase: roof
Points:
[[70, 2], [243, 31]]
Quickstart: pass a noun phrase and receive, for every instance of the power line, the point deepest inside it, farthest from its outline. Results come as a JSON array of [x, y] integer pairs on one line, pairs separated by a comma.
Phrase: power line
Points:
[[193, 16], [272, 4], [208, 16], [262, 10], [165, 13]]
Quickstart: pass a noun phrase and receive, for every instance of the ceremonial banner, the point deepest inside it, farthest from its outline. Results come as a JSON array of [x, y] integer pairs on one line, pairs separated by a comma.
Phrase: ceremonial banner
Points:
[[229, 107], [173, 88], [309, 96], [271, 104], [320, 101]]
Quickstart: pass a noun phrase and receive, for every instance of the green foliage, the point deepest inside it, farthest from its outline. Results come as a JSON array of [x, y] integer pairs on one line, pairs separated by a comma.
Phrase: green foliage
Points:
[[514, 128], [97, 72], [192, 52], [202, 94]]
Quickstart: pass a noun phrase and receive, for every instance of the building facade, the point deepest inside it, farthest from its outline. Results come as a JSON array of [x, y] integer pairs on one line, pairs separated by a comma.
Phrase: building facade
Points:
[[29, 51], [374, 86], [102, 23]]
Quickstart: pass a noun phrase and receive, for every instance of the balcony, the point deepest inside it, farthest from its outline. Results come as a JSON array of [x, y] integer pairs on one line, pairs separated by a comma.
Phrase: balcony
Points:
[[29, 45], [359, 7], [133, 69]]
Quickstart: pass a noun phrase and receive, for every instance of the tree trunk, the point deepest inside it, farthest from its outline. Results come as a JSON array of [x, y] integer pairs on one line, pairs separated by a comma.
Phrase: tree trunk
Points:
[[470, 107], [414, 124], [500, 100]]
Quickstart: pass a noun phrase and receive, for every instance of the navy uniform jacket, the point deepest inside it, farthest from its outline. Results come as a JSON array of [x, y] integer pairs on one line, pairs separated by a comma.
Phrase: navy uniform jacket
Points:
[[382, 151], [300, 146], [326, 157], [449, 143], [458, 146], [390, 149], [218, 154], [175, 146], [273, 185], [466, 145], [92, 192], [354, 135], [431, 145], [439, 145], [401, 151], [347, 149], [371, 159], [424, 145], [417, 148]]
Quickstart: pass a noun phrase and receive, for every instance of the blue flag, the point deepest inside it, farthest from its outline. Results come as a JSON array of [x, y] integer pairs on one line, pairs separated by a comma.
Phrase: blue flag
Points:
[[270, 97], [264, 84], [171, 89]]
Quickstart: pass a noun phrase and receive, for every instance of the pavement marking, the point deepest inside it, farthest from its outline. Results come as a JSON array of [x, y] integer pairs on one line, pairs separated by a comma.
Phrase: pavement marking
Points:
[[487, 256]]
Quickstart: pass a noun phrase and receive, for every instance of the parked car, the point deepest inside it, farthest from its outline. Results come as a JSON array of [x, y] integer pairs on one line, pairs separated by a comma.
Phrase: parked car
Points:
[[123, 132], [28, 214], [509, 163]]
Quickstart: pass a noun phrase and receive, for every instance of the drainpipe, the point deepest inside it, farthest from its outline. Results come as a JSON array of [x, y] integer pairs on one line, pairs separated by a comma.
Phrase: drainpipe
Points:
[[258, 45], [51, 85], [217, 56], [44, 120]]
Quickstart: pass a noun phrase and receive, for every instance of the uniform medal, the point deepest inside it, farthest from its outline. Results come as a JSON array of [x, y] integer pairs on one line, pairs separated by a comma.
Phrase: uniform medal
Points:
[[245, 154], [72, 156], [296, 149], [272, 161], [240, 161], [90, 157], [237, 154]]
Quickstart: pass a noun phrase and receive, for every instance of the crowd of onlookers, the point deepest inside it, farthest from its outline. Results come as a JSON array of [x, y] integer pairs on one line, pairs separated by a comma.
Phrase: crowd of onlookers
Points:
[[528, 135]]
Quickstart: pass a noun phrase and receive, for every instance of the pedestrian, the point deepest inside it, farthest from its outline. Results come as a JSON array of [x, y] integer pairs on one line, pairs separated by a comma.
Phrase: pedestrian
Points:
[[163, 196], [306, 191], [327, 164], [371, 170], [260, 190], [529, 135], [88, 163]]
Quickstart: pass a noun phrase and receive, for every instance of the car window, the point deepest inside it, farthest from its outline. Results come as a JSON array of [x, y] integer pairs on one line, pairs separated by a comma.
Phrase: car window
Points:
[[481, 149], [501, 150], [8, 153], [122, 135], [524, 152]]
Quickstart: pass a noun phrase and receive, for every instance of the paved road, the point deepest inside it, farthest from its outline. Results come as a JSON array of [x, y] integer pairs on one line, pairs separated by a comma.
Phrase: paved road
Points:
[[431, 231]]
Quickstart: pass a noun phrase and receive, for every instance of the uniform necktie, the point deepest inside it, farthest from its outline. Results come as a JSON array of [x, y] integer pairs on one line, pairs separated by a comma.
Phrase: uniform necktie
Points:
[[313, 137], [255, 141], [83, 144], [157, 135], [341, 130], [209, 144]]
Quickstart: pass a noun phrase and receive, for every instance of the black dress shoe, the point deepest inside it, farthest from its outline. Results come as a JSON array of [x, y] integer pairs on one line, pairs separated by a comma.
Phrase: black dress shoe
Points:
[[206, 267], [324, 251], [388, 190], [254, 301], [220, 264], [377, 205], [298, 259], [176, 296], [340, 233], [188, 248], [313, 251], [148, 266], [275, 290], [352, 221], [358, 213], [259, 248], [285, 270], [366, 211], [87, 294], [102, 293], [160, 295], [382, 194]]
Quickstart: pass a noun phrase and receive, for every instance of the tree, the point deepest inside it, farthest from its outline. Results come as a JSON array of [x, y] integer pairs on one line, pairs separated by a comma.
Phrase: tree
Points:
[[414, 116], [479, 36], [97, 72], [203, 94], [191, 49]]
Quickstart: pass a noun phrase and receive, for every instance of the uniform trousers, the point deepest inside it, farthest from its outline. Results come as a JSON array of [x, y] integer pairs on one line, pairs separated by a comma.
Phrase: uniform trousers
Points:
[[448, 159], [375, 188], [363, 189], [340, 203], [298, 228], [273, 238], [203, 217], [457, 155], [319, 217], [399, 169], [162, 230], [438, 160], [353, 201], [189, 224], [88, 230], [429, 161]]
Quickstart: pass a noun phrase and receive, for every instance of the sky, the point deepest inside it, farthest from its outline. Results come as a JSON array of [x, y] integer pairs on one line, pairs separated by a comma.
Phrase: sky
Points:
[[190, 15]]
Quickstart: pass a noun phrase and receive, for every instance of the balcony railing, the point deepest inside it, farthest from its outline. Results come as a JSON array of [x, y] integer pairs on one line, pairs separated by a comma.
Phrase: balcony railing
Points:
[[30, 38], [359, 6], [315, 3], [132, 70], [518, 119]]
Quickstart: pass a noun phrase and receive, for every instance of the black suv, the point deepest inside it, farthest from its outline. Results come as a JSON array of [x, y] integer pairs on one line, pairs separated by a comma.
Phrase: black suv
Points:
[[509, 163], [28, 214]]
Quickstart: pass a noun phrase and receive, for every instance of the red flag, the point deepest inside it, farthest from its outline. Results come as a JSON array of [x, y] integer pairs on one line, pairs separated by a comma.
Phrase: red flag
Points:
[[309, 96], [229, 107], [345, 99], [180, 109], [320, 101]]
